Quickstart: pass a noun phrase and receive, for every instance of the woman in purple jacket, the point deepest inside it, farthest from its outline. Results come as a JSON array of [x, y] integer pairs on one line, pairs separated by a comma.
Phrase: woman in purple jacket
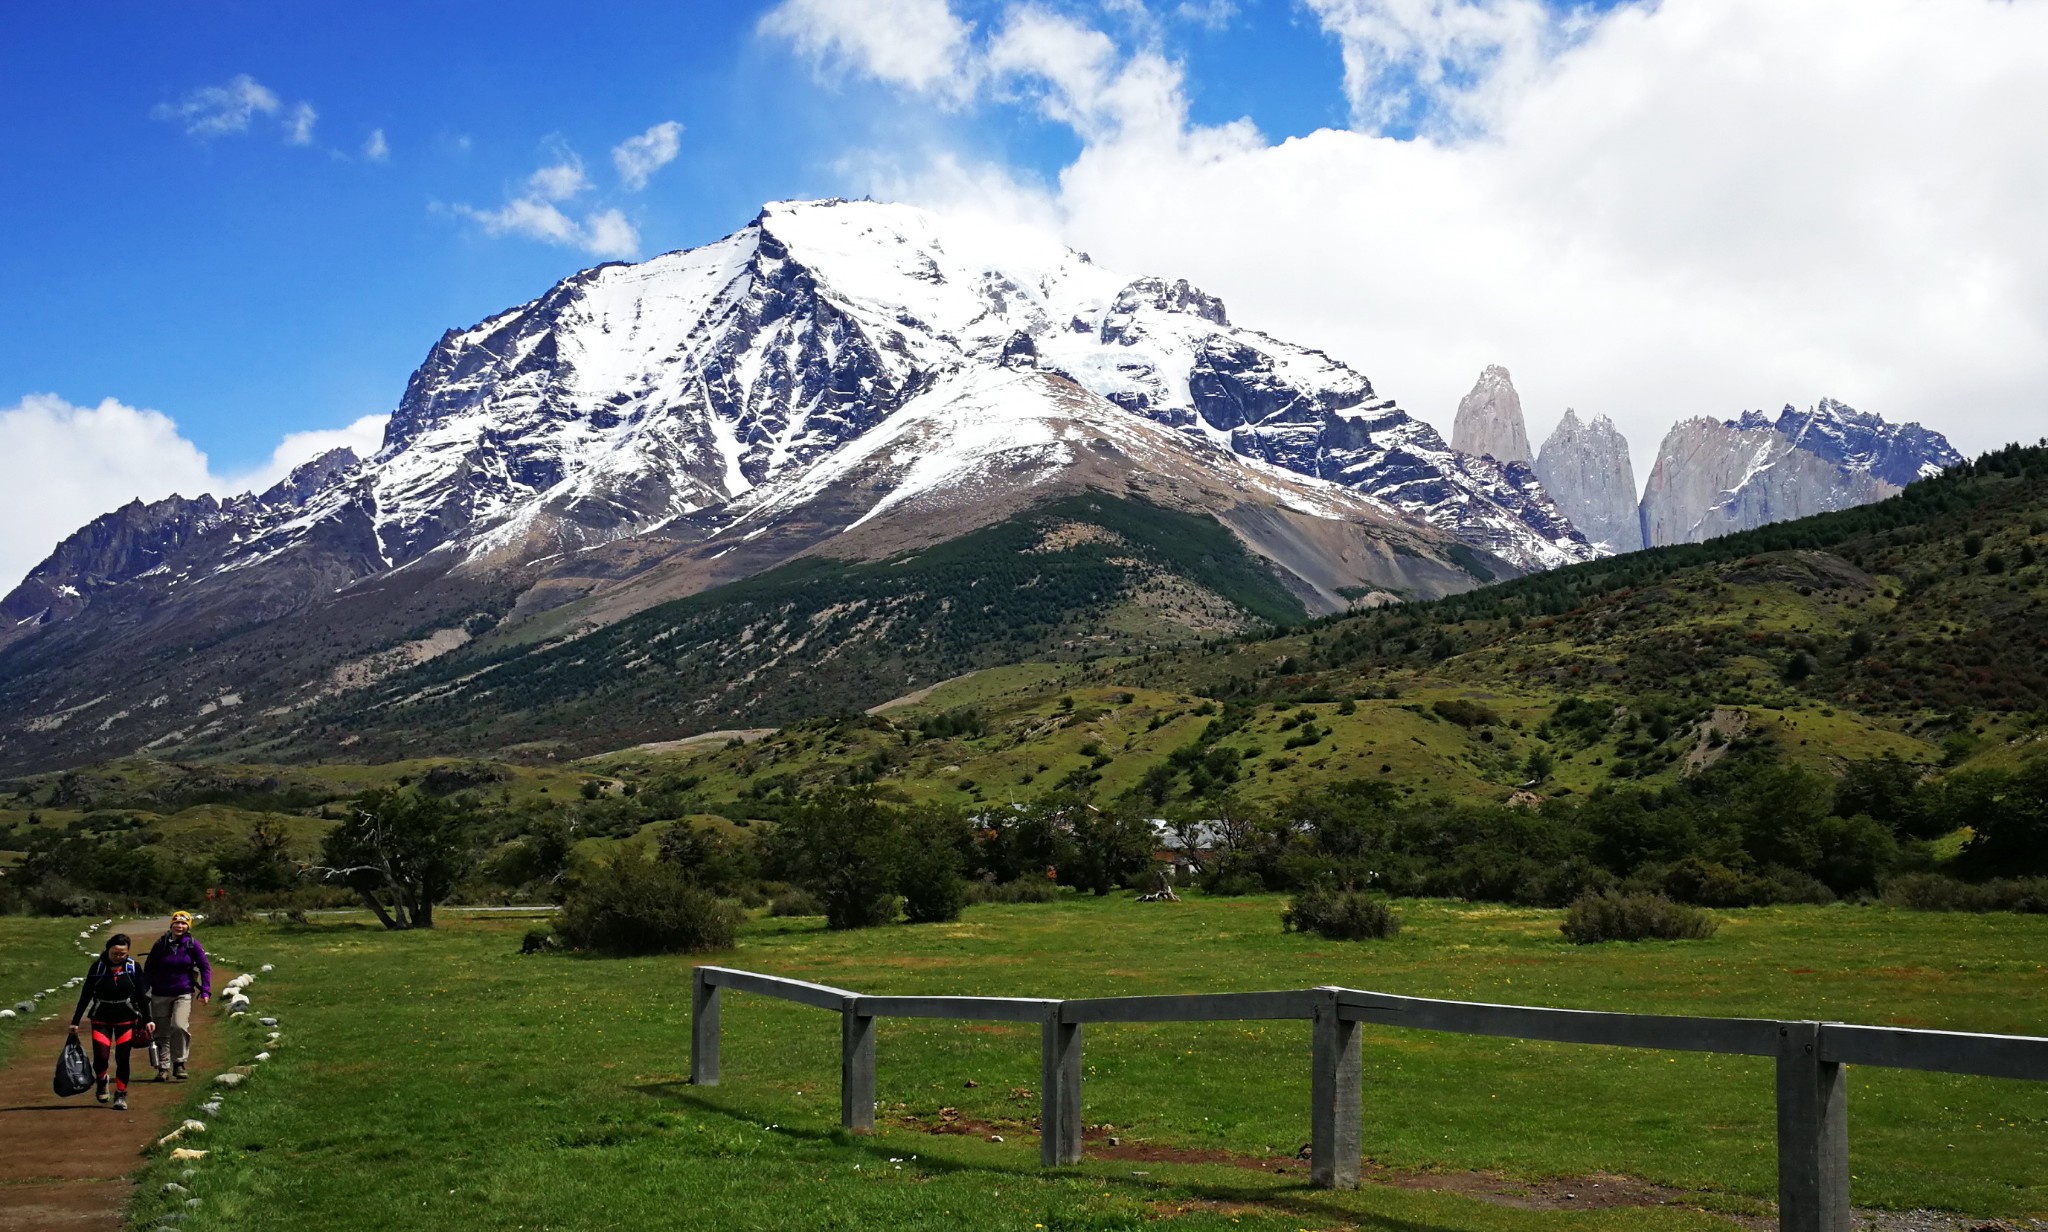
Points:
[[177, 969]]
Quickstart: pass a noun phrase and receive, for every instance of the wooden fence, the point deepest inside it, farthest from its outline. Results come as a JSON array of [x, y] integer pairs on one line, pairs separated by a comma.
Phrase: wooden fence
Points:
[[1812, 1095]]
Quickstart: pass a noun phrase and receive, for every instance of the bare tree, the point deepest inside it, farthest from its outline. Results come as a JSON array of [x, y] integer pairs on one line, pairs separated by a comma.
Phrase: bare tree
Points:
[[401, 852]]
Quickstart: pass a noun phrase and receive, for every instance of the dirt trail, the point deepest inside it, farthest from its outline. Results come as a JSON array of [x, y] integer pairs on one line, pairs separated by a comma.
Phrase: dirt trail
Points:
[[64, 1163]]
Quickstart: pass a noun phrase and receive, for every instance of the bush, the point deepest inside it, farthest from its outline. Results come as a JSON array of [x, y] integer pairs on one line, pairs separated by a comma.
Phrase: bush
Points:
[[636, 905], [1341, 915], [796, 901], [1933, 892], [1022, 890], [1633, 917]]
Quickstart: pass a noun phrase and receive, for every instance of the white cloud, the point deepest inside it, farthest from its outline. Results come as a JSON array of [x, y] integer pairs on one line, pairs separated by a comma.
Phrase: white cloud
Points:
[[298, 126], [534, 214], [62, 465], [608, 234], [365, 436], [558, 182], [1692, 207], [1080, 79], [1447, 67], [375, 148], [212, 110], [638, 158], [920, 44], [1211, 14]]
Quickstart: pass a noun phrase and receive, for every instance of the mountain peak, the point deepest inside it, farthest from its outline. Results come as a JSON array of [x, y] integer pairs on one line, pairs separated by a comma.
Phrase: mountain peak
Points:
[[1489, 422], [1586, 469]]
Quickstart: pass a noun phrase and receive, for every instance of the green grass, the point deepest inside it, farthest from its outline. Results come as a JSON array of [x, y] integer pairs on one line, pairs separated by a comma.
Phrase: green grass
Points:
[[439, 1080], [36, 954]]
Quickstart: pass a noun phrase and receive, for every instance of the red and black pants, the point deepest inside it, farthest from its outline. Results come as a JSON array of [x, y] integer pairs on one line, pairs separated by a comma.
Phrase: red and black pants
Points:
[[111, 1042]]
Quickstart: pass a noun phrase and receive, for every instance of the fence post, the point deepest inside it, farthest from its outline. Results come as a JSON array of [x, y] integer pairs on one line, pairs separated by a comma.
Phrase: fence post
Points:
[[1059, 1098], [1336, 1112], [703, 1030], [856, 1068], [1813, 1134]]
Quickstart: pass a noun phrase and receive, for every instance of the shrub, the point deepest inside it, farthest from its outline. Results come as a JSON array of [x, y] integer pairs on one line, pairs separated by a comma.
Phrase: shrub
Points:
[[1633, 917], [1341, 915], [1466, 713], [1933, 892], [1022, 890], [636, 905], [796, 901]]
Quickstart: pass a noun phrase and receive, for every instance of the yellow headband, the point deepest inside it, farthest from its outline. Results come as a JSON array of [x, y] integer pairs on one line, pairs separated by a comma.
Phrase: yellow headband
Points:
[[181, 915]]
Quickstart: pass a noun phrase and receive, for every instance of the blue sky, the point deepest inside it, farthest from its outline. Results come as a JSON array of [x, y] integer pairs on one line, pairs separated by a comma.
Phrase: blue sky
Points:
[[234, 227], [247, 286]]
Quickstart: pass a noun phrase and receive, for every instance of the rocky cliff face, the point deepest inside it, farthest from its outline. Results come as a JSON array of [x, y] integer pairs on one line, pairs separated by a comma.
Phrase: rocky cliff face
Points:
[[1489, 422], [1713, 477], [1585, 468]]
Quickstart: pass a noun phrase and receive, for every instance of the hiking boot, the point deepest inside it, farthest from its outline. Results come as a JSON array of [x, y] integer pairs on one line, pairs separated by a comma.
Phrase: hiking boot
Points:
[[100, 1091], [179, 1073], [163, 1075], [121, 1102]]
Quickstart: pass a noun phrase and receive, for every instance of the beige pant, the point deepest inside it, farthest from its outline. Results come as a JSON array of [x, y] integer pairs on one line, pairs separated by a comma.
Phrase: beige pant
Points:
[[173, 1019]]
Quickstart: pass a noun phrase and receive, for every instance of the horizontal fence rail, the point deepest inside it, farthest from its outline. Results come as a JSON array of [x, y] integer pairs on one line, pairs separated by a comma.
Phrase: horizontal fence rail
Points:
[[1811, 1089]]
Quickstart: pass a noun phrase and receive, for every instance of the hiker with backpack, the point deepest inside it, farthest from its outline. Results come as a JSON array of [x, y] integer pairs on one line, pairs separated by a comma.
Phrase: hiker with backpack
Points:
[[177, 971], [118, 1002]]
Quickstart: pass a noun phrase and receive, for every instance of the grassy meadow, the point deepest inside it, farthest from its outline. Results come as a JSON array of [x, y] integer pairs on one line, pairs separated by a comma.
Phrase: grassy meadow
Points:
[[36, 954], [442, 1080]]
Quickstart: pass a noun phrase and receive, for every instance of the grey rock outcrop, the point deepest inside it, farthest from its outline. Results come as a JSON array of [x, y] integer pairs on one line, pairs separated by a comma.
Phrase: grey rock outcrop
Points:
[[1716, 477], [1489, 422], [1586, 469]]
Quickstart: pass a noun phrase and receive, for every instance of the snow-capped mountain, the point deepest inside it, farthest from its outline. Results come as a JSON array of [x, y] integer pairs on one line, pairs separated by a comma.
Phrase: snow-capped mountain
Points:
[[835, 377], [1714, 477], [629, 396]]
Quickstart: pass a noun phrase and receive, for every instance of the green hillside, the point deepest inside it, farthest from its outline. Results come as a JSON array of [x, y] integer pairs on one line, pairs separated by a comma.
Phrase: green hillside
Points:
[[1074, 579], [1816, 707]]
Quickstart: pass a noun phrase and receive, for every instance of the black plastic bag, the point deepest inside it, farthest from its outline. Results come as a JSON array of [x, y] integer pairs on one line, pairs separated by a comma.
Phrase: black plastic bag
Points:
[[74, 1071]]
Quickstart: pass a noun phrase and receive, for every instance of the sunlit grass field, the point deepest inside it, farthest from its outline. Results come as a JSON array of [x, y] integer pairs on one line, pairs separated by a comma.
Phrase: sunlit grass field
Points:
[[443, 1081], [36, 954]]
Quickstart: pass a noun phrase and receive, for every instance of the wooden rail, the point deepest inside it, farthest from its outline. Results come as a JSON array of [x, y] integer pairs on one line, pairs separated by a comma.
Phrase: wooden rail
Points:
[[1812, 1091]]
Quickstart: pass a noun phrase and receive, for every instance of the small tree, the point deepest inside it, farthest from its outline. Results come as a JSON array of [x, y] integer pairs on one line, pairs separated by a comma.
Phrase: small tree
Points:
[[1112, 847], [844, 845], [401, 852], [928, 874]]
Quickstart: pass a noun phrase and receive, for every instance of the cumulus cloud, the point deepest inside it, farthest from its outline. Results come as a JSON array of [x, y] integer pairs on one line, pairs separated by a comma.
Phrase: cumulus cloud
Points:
[[920, 44], [365, 436], [62, 465], [375, 148], [1692, 207], [1443, 68], [535, 213], [638, 158], [213, 110]]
